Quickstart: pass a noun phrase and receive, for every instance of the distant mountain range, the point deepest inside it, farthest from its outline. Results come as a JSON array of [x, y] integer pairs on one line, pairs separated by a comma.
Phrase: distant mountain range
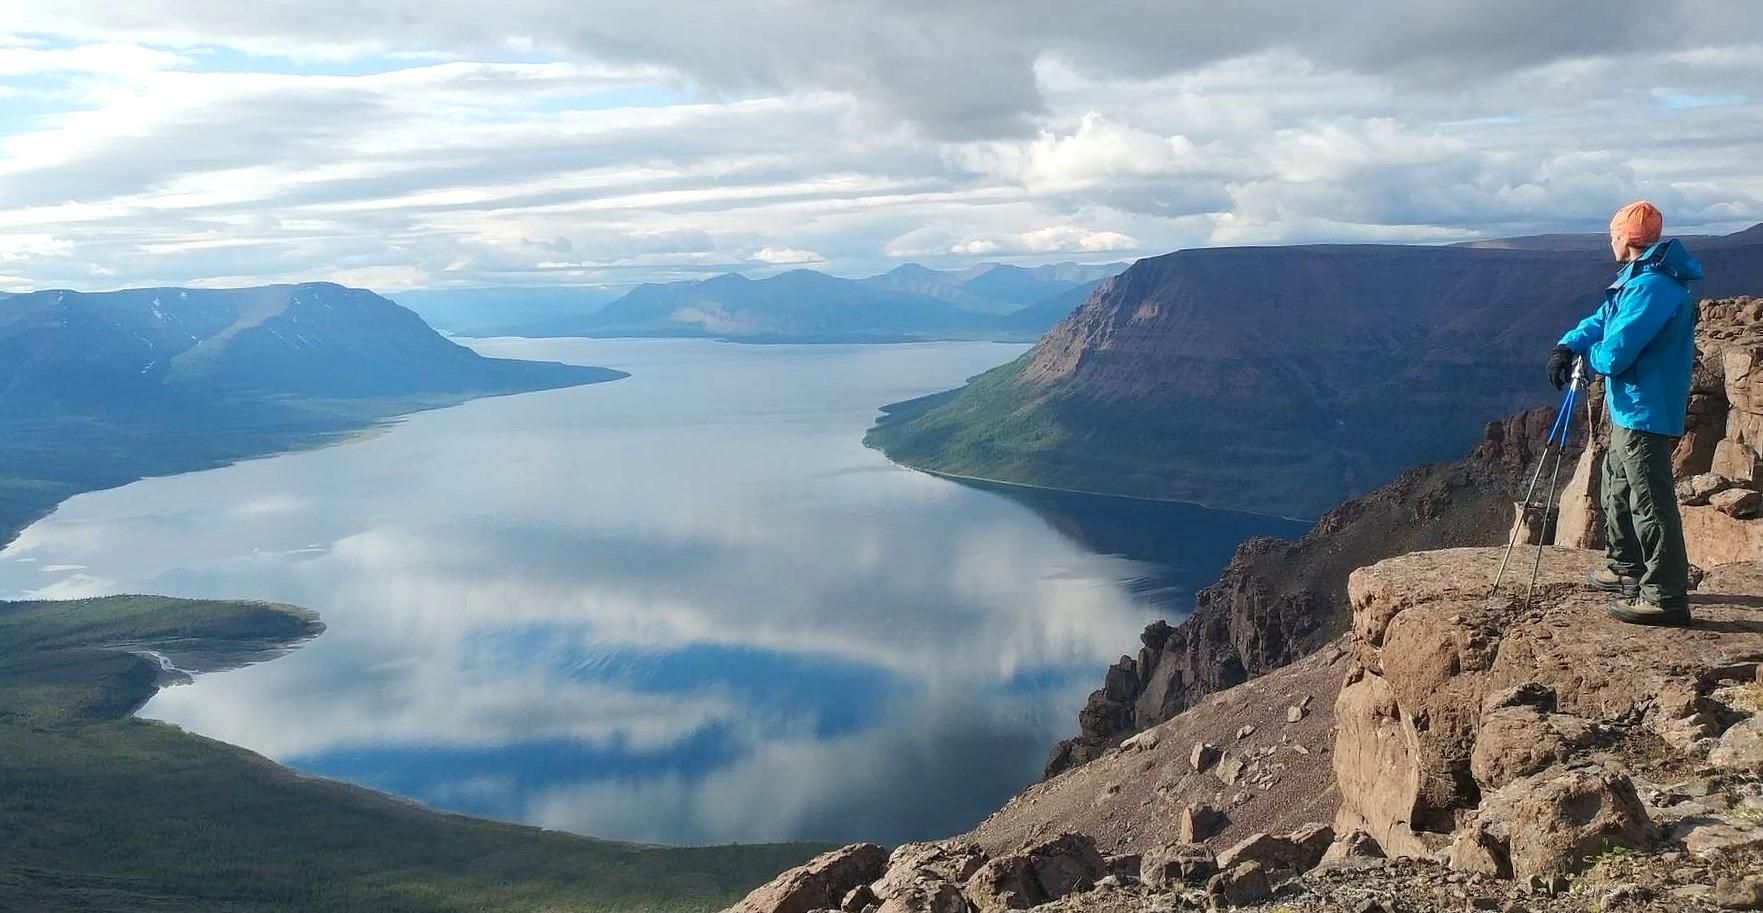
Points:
[[1280, 380], [509, 310], [100, 389], [910, 302]]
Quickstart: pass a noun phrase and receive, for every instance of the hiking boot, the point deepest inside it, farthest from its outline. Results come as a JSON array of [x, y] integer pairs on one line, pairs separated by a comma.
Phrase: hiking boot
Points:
[[1605, 580], [1638, 611]]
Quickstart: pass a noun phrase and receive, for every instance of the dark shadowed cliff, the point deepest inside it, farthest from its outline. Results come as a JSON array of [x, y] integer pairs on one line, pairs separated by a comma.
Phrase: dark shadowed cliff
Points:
[[1279, 599]]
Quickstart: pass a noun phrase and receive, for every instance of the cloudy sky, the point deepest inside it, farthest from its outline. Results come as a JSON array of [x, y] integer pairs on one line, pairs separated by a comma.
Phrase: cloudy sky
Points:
[[435, 143]]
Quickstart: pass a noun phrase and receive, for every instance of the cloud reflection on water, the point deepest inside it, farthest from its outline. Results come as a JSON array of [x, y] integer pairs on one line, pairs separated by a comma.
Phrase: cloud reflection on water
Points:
[[684, 607]]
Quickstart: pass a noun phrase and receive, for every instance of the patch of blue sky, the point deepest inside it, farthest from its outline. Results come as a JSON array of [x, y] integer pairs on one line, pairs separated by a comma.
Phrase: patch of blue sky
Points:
[[216, 59], [1678, 100], [432, 774], [1493, 120], [40, 40], [1039, 679], [27, 99], [835, 696], [641, 96]]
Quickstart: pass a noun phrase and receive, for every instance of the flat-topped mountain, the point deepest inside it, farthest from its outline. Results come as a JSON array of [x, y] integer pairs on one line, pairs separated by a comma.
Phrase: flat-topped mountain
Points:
[[99, 389], [1275, 379], [909, 302]]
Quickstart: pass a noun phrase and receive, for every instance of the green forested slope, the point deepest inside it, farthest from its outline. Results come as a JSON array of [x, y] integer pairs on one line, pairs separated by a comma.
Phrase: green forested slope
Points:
[[103, 812]]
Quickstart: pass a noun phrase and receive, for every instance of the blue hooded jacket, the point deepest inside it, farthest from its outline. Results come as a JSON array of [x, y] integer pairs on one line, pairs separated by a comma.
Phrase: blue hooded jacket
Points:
[[1642, 339]]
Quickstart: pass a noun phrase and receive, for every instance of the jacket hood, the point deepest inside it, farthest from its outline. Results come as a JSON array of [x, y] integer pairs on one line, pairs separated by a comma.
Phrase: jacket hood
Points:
[[1668, 257]]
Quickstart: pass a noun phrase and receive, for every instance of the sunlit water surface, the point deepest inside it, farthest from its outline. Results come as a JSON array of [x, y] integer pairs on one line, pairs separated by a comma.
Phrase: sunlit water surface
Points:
[[686, 607]]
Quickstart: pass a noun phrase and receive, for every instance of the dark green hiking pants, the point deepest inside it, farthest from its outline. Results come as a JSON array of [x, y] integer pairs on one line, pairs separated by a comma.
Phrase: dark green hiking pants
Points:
[[1641, 517]]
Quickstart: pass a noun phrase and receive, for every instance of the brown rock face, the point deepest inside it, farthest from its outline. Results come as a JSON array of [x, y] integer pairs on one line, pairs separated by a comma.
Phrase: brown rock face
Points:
[[1292, 854], [1279, 600], [1741, 748], [1456, 697], [1516, 742], [1245, 883], [1199, 822], [820, 884], [1181, 864], [1043, 872], [1552, 822], [914, 862], [1715, 538]]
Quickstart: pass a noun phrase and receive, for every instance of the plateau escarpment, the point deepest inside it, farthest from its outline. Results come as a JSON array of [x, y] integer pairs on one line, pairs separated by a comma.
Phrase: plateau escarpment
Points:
[[1277, 380]]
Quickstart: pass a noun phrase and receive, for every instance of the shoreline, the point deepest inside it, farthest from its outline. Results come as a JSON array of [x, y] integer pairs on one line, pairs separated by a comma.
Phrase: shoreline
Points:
[[958, 477], [349, 432]]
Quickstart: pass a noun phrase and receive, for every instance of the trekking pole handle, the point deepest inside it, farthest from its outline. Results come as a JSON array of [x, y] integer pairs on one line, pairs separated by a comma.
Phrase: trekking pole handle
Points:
[[1579, 372]]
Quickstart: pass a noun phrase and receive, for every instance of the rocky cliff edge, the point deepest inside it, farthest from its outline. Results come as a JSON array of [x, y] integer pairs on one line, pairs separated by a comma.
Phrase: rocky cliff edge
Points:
[[1457, 749]]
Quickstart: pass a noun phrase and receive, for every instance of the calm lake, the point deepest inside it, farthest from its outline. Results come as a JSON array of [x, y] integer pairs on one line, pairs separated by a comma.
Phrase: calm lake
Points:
[[685, 607]]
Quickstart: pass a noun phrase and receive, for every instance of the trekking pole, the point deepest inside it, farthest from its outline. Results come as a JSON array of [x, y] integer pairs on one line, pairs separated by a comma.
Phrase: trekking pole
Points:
[[1561, 418], [1551, 506]]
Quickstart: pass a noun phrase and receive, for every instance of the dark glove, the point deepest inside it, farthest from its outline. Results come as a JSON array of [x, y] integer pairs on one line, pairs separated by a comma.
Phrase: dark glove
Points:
[[1561, 366]]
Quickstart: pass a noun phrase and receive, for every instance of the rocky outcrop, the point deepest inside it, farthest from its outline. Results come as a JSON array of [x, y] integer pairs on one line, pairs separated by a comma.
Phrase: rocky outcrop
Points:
[[1552, 822], [819, 884], [1279, 600], [1465, 714], [949, 877], [1483, 751], [1478, 749]]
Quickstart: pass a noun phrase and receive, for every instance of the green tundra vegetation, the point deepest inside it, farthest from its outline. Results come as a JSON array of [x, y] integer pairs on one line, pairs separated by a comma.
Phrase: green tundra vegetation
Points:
[[101, 811]]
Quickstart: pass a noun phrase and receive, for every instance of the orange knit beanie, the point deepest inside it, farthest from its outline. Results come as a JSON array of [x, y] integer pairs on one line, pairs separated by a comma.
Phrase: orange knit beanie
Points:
[[1638, 224]]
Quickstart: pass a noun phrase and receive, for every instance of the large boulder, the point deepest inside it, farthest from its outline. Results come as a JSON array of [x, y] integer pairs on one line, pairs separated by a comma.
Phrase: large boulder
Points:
[[1244, 883], [1697, 489], [1741, 747], [1200, 820], [1284, 856], [819, 884], [1376, 764], [1456, 697], [1713, 538], [1044, 872], [1171, 867], [1736, 461], [1513, 742], [925, 894], [912, 863], [1552, 822]]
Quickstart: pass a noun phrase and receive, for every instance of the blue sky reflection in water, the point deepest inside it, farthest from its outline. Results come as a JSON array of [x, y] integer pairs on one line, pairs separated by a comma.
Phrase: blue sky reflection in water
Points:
[[684, 607]]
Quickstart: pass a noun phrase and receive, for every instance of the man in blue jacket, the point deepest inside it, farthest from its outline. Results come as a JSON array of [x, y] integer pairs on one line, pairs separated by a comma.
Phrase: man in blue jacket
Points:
[[1642, 339]]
